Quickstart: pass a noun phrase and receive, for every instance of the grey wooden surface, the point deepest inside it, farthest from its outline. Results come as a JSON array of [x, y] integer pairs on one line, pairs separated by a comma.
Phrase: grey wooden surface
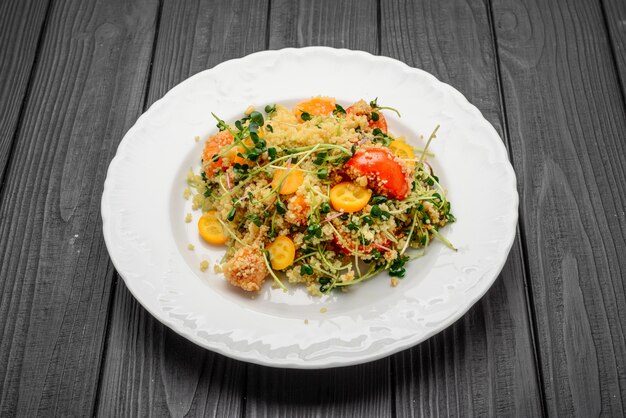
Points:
[[548, 339]]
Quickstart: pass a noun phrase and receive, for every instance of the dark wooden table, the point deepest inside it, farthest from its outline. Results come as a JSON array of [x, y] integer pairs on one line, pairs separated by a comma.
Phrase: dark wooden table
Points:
[[549, 338]]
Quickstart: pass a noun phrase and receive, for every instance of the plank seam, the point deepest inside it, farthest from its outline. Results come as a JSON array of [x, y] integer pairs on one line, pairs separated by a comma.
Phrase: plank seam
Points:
[[533, 331], [379, 28], [267, 24], [22, 111], [605, 19], [152, 55], [114, 283]]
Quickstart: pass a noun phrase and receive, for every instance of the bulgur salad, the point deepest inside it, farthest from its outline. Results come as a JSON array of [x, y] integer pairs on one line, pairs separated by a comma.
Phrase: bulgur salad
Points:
[[320, 195]]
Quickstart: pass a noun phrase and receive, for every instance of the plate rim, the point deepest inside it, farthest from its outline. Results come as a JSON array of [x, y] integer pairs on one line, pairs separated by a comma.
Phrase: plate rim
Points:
[[300, 363]]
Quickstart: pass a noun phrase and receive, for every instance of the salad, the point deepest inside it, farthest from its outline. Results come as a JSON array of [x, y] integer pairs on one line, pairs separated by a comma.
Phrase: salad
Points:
[[318, 195]]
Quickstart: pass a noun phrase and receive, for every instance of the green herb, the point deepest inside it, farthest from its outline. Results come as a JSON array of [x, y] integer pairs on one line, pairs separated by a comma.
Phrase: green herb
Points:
[[257, 117], [352, 226], [254, 218], [270, 109], [396, 268], [313, 231], [374, 104], [320, 158], [305, 270], [280, 207], [305, 116], [384, 215], [378, 199], [269, 128], [375, 211], [375, 116], [338, 110], [324, 207], [368, 220], [271, 153], [231, 214], [322, 174]]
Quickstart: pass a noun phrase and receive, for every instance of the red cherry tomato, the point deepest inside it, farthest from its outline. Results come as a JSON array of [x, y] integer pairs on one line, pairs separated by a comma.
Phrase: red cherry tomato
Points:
[[381, 123], [384, 173]]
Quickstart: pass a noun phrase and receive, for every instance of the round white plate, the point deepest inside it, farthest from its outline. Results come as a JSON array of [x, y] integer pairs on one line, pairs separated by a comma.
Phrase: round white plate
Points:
[[143, 214]]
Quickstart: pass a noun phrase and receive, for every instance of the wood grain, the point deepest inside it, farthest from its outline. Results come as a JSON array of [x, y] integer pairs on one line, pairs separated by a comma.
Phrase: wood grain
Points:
[[362, 390], [148, 369], [21, 24], [615, 17], [56, 276], [567, 126], [344, 24], [484, 365]]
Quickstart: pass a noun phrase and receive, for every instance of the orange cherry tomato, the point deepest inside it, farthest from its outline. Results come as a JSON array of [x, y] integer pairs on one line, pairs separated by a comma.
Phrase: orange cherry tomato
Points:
[[317, 106], [349, 197], [293, 178], [383, 171], [282, 252]]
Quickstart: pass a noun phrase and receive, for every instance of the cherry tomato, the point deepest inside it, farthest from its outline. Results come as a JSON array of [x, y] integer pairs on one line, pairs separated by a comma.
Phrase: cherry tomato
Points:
[[384, 172], [211, 229], [282, 252], [315, 107], [349, 197], [403, 151], [293, 178]]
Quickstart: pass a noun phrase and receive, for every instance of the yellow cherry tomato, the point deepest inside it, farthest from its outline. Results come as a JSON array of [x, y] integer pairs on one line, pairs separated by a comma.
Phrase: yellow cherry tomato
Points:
[[293, 178], [403, 151], [349, 197], [211, 229], [282, 252]]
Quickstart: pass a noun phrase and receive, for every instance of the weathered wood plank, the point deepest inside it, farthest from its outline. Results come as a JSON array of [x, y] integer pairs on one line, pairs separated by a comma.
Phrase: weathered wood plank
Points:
[[483, 365], [55, 273], [345, 24], [615, 14], [148, 369], [356, 391], [362, 390], [567, 125], [21, 24]]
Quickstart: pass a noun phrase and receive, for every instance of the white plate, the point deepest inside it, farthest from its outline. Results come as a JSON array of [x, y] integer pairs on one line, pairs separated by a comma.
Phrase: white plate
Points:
[[143, 211]]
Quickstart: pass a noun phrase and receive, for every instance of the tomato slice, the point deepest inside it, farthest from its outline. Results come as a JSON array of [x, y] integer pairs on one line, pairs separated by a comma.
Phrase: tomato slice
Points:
[[349, 197], [211, 229], [315, 107], [282, 252], [403, 151], [384, 173], [288, 180]]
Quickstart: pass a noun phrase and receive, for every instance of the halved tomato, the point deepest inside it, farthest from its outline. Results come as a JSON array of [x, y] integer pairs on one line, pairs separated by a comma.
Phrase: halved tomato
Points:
[[384, 173]]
